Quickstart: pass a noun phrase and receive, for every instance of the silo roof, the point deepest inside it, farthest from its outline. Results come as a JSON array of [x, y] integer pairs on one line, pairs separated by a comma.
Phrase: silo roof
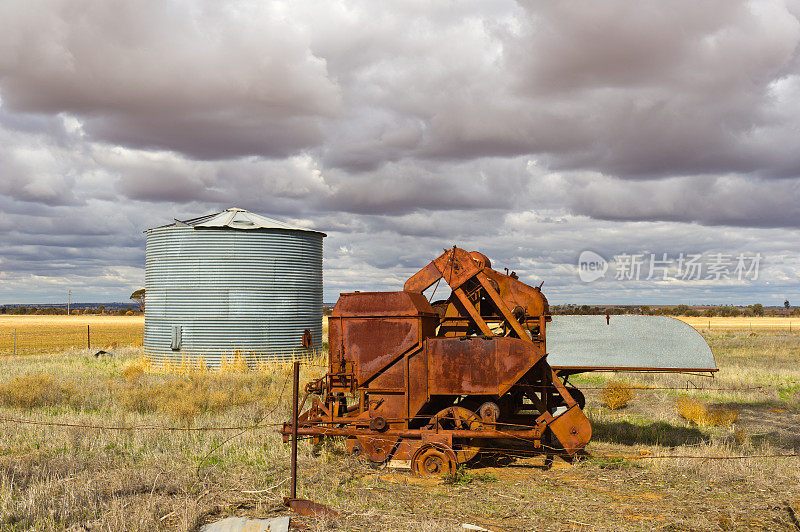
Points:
[[235, 218]]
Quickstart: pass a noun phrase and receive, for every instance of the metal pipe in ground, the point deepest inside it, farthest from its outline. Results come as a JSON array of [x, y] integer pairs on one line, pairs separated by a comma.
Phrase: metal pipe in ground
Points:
[[15, 341], [301, 506], [295, 415]]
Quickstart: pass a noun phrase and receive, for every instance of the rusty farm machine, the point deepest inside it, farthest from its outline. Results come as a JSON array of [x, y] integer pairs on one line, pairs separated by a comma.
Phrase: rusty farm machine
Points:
[[431, 386]]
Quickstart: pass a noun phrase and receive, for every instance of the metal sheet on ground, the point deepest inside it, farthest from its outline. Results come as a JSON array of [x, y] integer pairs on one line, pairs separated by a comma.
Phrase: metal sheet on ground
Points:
[[627, 342], [243, 524]]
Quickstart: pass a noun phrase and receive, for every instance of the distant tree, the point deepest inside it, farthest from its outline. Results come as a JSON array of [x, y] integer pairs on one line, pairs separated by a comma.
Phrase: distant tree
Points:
[[645, 310], [102, 309], [758, 309], [681, 310], [138, 296], [786, 304], [709, 313]]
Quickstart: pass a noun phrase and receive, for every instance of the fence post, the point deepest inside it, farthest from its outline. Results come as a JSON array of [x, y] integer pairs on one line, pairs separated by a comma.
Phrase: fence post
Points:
[[15, 341], [295, 393], [88, 338]]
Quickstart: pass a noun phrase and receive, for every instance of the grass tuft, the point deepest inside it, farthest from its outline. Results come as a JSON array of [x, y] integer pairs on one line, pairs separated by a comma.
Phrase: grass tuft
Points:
[[705, 416], [32, 391], [187, 397], [616, 395], [463, 476]]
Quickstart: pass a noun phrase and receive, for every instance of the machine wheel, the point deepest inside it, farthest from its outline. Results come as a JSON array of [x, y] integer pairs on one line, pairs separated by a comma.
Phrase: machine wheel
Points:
[[460, 418], [433, 460]]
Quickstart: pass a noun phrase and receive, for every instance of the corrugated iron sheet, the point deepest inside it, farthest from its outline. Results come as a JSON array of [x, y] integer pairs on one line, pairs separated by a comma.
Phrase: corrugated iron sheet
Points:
[[630, 342], [252, 292]]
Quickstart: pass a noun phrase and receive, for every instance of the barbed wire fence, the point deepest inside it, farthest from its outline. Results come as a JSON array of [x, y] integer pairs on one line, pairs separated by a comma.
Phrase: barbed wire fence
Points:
[[510, 452]]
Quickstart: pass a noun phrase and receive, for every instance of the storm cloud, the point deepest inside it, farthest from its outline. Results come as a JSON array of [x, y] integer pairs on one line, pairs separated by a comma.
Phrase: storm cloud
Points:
[[530, 130]]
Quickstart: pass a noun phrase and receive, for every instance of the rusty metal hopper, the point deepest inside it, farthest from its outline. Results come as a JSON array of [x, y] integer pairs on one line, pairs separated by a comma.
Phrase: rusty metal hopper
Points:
[[630, 343]]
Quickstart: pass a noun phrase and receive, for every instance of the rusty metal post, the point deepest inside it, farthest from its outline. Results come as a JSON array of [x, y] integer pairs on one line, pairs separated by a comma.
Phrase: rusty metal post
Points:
[[88, 338], [15, 341], [295, 415]]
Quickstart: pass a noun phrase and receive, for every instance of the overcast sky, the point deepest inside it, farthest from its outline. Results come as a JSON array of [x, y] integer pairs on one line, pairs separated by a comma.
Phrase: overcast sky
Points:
[[531, 131]]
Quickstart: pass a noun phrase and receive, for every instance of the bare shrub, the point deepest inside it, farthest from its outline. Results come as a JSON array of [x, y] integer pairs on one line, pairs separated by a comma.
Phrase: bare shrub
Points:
[[616, 395]]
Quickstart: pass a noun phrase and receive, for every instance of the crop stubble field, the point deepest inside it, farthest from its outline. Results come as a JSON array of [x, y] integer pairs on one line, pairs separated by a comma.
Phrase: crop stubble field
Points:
[[49, 334], [81, 478]]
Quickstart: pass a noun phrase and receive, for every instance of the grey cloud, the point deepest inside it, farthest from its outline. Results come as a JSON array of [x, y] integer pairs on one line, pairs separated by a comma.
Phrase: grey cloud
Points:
[[529, 131], [203, 79], [644, 90], [732, 200], [279, 186], [36, 172], [409, 186]]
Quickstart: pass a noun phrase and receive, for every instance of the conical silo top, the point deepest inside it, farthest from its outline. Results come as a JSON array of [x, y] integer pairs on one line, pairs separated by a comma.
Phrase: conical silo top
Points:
[[236, 218]]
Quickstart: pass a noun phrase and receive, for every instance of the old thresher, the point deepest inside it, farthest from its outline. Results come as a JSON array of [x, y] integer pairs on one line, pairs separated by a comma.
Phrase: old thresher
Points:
[[436, 385], [433, 385]]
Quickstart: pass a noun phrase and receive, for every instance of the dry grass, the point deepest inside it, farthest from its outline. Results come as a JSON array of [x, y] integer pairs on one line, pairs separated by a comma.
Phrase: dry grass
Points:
[[57, 478], [721, 323], [33, 391], [48, 334], [616, 395], [186, 398], [705, 416]]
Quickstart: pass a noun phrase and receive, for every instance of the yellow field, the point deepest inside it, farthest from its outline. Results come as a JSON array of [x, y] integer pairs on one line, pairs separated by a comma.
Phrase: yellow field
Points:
[[49, 334], [741, 322]]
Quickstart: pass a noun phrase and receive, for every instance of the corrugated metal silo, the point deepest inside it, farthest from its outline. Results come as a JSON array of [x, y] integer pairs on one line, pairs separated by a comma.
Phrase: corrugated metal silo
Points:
[[232, 282]]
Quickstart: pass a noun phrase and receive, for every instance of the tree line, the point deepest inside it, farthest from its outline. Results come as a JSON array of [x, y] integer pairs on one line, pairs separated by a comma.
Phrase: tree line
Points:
[[54, 311], [756, 309]]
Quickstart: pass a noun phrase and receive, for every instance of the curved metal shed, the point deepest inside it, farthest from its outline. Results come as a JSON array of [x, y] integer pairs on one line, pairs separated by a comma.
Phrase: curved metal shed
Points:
[[232, 283]]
